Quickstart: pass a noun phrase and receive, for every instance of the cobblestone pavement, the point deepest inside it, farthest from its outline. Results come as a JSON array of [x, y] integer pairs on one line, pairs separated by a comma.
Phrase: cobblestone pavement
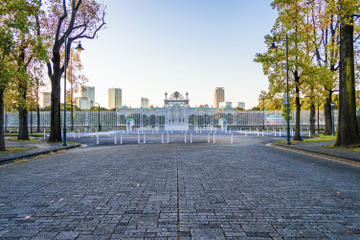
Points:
[[180, 191]]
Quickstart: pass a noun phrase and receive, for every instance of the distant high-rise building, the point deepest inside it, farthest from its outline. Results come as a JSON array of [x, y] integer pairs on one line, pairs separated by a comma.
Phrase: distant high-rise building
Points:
[[88, 92], [46, 99], [115, 98], [82, 102], [219, 96], [239, 105], [144, 102]]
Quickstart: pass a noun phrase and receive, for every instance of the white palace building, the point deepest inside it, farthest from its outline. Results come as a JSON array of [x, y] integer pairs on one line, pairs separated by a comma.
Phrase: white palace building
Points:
[[177, 115]]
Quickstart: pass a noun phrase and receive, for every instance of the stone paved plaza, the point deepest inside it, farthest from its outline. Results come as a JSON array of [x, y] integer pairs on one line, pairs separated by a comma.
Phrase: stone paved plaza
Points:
[[245, 190]]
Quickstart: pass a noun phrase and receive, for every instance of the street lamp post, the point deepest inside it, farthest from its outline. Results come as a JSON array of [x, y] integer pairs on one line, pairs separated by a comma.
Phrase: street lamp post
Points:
[[79, 47], [264, 110], [332, 118], [65, 66], [273, 46], [99, 125]]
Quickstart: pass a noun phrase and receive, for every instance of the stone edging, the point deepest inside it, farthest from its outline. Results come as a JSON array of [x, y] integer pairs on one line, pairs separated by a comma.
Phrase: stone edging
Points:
[[348, 161]]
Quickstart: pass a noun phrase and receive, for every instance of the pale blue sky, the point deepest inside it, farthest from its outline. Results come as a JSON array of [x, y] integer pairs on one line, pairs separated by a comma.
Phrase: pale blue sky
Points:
[[153, 46]]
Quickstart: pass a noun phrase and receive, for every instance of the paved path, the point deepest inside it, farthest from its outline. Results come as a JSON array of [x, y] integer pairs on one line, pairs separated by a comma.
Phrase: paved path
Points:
[[176, 191]]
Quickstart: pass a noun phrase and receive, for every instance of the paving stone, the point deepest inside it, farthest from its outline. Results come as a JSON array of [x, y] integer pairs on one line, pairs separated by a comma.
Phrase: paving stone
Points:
[[219, 191]]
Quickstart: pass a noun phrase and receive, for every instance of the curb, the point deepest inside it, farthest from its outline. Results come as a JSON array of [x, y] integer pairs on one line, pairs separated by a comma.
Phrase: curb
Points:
[[349, 161], [12, 159]]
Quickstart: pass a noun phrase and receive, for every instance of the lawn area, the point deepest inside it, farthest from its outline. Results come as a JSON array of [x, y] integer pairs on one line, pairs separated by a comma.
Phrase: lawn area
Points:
[[350, 148], [31, 139], [15, 149], [30, 134], [323, 137], [320, 138]]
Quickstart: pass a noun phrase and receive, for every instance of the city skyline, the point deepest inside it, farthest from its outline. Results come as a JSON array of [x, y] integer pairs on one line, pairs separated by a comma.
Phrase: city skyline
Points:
[[187, 46], [114, 96], [192, 46]]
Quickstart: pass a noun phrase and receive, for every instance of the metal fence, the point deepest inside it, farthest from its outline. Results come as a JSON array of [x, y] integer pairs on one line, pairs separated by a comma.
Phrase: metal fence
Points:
[[112, 119]]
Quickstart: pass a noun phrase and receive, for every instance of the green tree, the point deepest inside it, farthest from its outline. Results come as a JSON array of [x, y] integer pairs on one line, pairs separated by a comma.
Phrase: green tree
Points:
[[291, 22], [17, 19], [324, 26], [28, 48]]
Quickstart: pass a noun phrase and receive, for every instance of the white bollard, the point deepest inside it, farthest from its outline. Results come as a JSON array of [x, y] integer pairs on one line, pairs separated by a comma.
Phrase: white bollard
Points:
[[262, 132], [162, 138], [144, 138], [257, 132], [168, 139], [245, 132], [115, 139], [190, 137], [275, 133], [121, 139], [185, 137], [232, 139], [44, 134], [309, 133], [279, 132], [97, 139], [138, 137], [214, 138], [208, 137]]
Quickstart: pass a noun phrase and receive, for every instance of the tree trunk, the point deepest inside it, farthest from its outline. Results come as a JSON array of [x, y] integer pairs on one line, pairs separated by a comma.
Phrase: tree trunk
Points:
[[318, 117], [328, 114], [23, 113], [347, 125], [38, 118], [31, 120], [312, 117], [72, 110], [2, 133], [55, 123], [297, 136]]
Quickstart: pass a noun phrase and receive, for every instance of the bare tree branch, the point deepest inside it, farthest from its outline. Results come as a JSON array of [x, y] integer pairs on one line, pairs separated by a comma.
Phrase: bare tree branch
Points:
[[80, 35], [60, 21]]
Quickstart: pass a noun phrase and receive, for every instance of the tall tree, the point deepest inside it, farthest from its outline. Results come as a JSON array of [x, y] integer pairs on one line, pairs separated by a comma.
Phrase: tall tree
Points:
[[76, 79], [36, 71], [348, 133], [290, 22], [17, 19], [28, 47], [325, 37], [71, 20]]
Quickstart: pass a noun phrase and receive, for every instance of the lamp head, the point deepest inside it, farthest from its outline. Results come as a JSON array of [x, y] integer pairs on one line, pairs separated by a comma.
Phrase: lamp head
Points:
[[273, 46], [79, 47]]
